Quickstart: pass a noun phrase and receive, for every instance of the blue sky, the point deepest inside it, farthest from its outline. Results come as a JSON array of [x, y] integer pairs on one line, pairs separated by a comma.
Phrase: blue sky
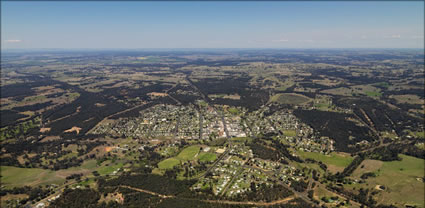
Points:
[[102, 24]]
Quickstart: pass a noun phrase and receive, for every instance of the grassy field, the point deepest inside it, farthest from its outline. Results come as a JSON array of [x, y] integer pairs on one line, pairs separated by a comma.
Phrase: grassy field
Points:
[[207, 157], [17, 177], [332, 159], [373, 94], [105, 170], [241, 139], [408, 98], [289, 98], [367, 166], [399, 178], [37, 98], [338, 91], [188, 153], [285, 85], [168, 163], [368, 90], [322, 106], [336, 162]]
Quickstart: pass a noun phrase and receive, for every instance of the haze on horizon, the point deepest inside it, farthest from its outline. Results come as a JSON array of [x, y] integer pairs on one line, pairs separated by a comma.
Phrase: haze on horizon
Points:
[[30, 25]]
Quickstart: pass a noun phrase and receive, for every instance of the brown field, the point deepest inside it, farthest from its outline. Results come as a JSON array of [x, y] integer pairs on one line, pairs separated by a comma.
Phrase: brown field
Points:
[[410, 99], [334, 169], [50, 138], [108, 149], [44, 130], [158, 94], [289, 98], [338, 91], [226, 96], [74, 128], [326, 82], [368, 166]]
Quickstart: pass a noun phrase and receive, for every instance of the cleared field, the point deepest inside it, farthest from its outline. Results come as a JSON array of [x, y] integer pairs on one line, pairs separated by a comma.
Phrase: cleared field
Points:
[[207, 157], [411, 99], [17, 177], [401, 179], [336, 162], [225, 96], [373, 94], [168, 163], [368, 90], [367, 166], [289, 98], [339, 91], [188, 153], [105, 170], [285, 85]]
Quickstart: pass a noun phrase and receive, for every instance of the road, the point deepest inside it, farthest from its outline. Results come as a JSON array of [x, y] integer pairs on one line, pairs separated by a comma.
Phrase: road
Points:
[[280, 201], [224, 154]]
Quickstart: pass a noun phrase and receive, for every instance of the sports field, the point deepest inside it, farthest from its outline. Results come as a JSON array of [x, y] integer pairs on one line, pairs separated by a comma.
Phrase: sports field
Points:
[[188, 153], [207, 157]]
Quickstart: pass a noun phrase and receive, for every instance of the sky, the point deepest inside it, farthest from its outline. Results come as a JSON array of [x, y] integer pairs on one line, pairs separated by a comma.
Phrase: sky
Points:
[[211, 24]]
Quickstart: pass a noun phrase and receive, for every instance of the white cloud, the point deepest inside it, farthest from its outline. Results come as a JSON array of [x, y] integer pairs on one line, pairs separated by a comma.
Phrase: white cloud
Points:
[[13, 41], [363, 37]]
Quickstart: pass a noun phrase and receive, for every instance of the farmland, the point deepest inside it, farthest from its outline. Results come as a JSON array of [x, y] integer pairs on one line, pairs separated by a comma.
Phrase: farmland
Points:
[[407, 189]]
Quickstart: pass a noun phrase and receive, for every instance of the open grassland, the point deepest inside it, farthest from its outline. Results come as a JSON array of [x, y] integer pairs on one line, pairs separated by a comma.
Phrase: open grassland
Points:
[[289, 98], [368, 90], [367, 166], [225, 96], [339, 91], [285, 85], [337, 159], [408, 98], [336, 162], [17, 177], [105, 170], [402, 179]]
